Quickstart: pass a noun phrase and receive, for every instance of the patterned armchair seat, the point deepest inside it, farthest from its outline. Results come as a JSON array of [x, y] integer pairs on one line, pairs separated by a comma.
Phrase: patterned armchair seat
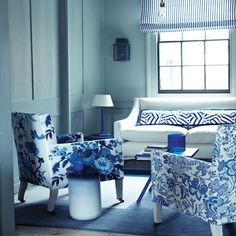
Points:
[[44, 158], [198, 188]]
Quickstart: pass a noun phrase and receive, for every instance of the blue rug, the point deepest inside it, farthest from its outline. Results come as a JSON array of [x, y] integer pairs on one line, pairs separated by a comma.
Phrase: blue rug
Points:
[[136, 219]]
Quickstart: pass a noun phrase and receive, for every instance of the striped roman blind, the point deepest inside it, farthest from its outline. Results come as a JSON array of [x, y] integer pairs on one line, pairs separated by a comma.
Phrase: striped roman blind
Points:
[[181, 15]]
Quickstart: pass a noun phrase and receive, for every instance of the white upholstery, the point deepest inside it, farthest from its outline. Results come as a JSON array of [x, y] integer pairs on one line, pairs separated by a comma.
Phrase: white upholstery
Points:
[[151, 133], [136, 138], [202, 134]]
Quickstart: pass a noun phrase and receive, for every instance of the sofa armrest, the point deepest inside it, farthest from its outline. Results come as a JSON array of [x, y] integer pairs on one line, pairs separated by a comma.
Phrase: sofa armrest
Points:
[[122, 124], [128, 122]]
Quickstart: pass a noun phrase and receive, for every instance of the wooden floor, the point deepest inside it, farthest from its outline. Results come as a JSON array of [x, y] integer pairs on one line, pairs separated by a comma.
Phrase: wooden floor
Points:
[[41, 231]]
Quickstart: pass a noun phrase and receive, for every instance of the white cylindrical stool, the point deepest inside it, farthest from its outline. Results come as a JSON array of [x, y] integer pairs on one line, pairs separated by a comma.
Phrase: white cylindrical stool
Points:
[[84, 196]]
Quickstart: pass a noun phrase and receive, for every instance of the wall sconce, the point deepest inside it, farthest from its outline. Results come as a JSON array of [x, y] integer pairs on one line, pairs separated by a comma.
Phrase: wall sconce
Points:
[[121, 50]]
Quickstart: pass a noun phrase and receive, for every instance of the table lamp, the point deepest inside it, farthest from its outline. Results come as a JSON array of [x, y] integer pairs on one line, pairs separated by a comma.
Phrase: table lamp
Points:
[[102, 100]]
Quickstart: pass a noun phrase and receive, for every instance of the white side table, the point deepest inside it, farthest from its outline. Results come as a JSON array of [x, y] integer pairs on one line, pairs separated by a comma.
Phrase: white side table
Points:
[[84, 196]]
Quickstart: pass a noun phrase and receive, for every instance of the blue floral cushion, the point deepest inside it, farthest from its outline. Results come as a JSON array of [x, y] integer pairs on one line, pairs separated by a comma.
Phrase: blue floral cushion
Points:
[[187, 119]]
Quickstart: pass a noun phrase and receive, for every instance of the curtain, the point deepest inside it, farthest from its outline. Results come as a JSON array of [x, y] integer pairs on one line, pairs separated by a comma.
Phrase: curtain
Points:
[[181, 15]]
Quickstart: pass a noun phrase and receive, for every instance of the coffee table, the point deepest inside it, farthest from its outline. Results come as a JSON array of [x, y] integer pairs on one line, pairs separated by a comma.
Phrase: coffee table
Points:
[[189, 152]]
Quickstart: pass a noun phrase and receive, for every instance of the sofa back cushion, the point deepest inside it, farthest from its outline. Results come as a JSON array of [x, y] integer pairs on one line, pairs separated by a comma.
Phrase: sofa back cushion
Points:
[[187, 119]]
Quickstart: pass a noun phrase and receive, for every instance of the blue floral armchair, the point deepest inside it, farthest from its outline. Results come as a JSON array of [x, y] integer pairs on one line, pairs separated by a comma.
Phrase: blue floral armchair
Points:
[[203, 189], [44, 158]]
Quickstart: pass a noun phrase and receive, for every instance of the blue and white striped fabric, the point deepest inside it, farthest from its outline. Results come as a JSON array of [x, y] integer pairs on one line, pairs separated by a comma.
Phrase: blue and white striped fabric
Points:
[[187, 119], [182, 15]]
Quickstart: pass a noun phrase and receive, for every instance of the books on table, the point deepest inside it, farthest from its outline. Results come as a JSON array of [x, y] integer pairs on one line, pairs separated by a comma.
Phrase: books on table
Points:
[[150, 148], [146, 154], [157, 146]]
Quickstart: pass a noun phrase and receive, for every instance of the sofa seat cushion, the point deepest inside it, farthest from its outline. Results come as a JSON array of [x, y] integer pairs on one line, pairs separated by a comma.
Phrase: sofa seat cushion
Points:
[[151, 133], [202, 134]]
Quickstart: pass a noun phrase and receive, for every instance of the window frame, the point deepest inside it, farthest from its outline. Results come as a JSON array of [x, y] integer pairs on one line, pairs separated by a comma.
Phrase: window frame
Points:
[[192, 91]]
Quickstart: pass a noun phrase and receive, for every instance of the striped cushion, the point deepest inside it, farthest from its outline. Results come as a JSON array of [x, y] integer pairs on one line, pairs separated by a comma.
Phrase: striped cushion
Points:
[[187, 119]]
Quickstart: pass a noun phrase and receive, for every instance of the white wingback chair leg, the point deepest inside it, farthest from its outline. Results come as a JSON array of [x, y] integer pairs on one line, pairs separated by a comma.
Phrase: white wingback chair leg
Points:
[[119, 189], [157, 211], [21, 193], [216, 230], [52, 199]]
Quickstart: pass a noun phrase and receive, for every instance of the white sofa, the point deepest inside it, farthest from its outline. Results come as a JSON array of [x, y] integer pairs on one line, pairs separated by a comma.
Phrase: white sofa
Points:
[[136, 137]]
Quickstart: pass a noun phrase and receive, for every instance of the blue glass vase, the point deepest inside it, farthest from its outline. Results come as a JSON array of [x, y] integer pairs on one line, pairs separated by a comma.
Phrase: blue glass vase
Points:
[[176, 142]]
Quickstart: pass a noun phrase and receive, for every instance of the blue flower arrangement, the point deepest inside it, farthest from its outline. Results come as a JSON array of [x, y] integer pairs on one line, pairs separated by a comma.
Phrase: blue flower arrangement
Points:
[[82, 161], [96, 157]]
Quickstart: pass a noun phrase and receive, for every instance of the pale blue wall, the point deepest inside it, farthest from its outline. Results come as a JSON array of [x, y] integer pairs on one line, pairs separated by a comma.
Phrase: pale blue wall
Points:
[[61, 55], [124, 80], [7, 222], [56, 61], [56, 64]]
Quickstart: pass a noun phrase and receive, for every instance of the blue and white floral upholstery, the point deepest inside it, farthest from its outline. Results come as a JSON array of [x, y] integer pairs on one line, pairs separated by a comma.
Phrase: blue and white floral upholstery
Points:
[[104, 156], [44, 160], [203, 189]]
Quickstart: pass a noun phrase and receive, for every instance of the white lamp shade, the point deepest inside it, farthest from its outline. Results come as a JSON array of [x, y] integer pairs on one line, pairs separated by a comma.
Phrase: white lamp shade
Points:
[[102, 100]]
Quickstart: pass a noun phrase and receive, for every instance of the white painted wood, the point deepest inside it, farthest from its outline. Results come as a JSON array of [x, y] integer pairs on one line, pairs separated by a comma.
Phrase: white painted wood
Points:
[[47, 105], [216, 230], [157, 212], [92, 53], [126, 79], [64, 82], [20, 50], [75, 61], [75, 50], [45, 43], [91, 125], [232, 61], [77, 121], [41, 81], [52, 199], [7, 223]]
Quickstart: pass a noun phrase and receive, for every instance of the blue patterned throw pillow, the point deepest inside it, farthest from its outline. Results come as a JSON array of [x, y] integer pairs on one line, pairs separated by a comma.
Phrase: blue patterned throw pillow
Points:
[[187, 119]]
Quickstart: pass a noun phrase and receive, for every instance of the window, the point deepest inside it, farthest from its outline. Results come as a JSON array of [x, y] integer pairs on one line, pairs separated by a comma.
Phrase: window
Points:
[[193, 62]]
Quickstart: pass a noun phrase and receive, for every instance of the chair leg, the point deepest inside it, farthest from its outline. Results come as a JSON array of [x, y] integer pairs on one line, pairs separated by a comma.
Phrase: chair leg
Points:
[[157, 211], [119, 189], [21, 193], [52, 199], [216, 230]]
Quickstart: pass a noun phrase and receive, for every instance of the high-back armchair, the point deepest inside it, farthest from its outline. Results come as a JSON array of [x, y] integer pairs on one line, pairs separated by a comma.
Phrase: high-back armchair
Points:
[[198, 188], [44, 158]]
